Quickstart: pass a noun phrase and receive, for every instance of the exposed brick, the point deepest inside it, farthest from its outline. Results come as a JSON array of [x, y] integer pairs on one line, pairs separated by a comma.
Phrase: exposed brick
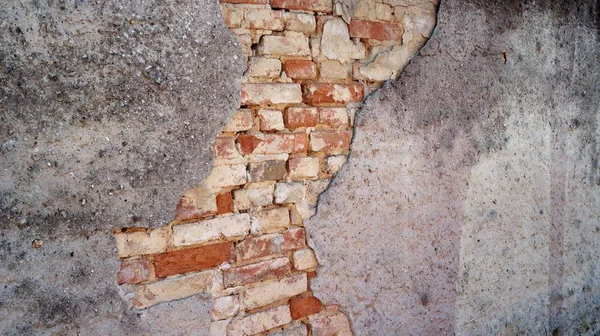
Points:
[[296, 328], [173, 289], [291, 44], [271, 94], [304, 306], [227, 175], [289, 192], [273, 220], [241, 121], [304, 260], [334, 70], [250, 2], [270, 170], [324, 6], [134, 271], [304, 167], [334, 163], [264, 294], [300, 69], [375, 30], [301, 117], [333, 116], [225, 148], [333, 142], [271, 120], [224, 203], [294, 238], [300, 22], [264, 67], [264, 270], [224, 307], [260, 322], [259, 194], [233, 16], [273, 143], [269, 244], [323, 94], [192, 259], [264, 19], [246, 44], [234, 226], [141, 242], [330, 321], [384, 12], [196, 203]]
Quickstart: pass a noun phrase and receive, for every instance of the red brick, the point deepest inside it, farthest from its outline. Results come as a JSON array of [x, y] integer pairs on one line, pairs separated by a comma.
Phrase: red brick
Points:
[[225, 148], [324, 6], [192, 259], [300, 69], [224, 203], [188, 209], [375, 30], [333, 116], [294, 238], [301, 117], [272, 244], [326, 94], [252, 2], [304, 306], [273, 143], [264, 270], [134, 271], [333, 142], [248, 143]]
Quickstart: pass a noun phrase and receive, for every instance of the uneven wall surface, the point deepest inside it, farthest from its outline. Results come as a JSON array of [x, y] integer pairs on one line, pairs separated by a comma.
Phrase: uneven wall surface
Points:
[[469, 203]]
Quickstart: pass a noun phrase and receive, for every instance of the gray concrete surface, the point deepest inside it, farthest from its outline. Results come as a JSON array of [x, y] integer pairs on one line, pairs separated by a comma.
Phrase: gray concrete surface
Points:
[[108, 110], [470, 204]]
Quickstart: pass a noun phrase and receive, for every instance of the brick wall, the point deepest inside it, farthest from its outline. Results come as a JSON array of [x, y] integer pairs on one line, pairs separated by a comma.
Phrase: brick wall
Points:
[[239, 235]]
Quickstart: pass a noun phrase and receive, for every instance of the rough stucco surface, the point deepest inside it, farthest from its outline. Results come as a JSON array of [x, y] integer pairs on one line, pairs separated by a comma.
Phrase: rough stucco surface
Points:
[[108, 111], [469, 204]]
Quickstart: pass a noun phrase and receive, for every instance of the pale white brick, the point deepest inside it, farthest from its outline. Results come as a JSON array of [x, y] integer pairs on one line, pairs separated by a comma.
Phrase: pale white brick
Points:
[[304, 259], [254, 194], [241, 121], [265, 294], [141, 242], [384, 12], [300, 22], [173, 289], [224, 307], [264, 67], [271, 120], [227, 175], [260, 322], [304, 167], [291, 44], [233, 226], [273, 220], [289, 192]]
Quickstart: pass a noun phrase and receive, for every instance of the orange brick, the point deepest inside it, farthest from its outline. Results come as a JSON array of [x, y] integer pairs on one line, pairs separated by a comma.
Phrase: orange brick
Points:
[[304, 306], [301, 117], [324, 6], [224, 203], [273, 143], [134, 271], [264, 270], [192, 259], [300, 69], [375, 30], [334, 142], [326, 94]]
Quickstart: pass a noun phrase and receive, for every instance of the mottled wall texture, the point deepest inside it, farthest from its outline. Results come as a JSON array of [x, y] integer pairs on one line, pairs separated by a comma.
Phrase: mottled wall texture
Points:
[[469, 204]]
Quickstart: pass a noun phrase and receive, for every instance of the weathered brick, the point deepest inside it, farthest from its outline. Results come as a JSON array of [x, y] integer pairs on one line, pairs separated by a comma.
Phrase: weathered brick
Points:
[[271, 94], [173, 289], [333, 116], [264, 19], [233, 16], [301, 117], [227, 175], [323, 94], [333, 142], [246, 44], [334, 163], [334, 70], [375, 30], [273, 143], [329, 321], [234, 226], [225, 148], [300, 69], [225, 307], [253, 195], [260, 322], [241, 121], [270, 244], [273, 220], [249, 2], [219, 328], [365, 9], [271, 170], [324, 6], [141, 242], [336, 43], [261, 271], [300, 22], [295, 328], [271, 120], [294, 238], [264, 67], [289, 192], [304, 260], [304, 167], [134, 271], [290, 44], [224, 203], [384, 12], [304, 306], [196, 203], [192, 259], [270, 292]]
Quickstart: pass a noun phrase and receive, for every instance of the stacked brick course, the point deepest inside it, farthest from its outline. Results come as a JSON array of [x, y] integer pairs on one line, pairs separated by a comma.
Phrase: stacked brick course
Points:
[[240, 235]]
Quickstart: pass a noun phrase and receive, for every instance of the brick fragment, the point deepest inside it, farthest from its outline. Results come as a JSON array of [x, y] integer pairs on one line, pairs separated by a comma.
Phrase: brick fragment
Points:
[[264, 67], [304, 306], [291, 44], [270, 244], [295, 328], [324, 6], [271, 170], [300, 69], [225, 307], [334, 163], [241, 121], [196, 203], [260, 322], [301, 117], [224, 203], [273, 143], [375, 30], [271, 94], [225, 148], [227, 175], [270, 292], [294, 238], [192, 259], [333, 117], [233, 16], [271, 120], [304, 260], [134, 271], [300, 22], [173, 289], [261, 271], [273, 220], [141, 242], [304, 167], [332, 142], [254, 195], [323, 94], [330, 321], [289, 192], [334, 70], [233, 226], [263, 19]]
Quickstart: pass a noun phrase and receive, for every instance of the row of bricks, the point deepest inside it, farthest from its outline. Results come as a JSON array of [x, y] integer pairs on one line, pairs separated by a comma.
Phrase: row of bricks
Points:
[[314, 94], [270, 69]]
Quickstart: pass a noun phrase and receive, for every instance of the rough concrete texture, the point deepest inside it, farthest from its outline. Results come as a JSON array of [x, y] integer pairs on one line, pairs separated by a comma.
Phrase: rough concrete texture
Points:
[[469, 204], [108, 110]]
